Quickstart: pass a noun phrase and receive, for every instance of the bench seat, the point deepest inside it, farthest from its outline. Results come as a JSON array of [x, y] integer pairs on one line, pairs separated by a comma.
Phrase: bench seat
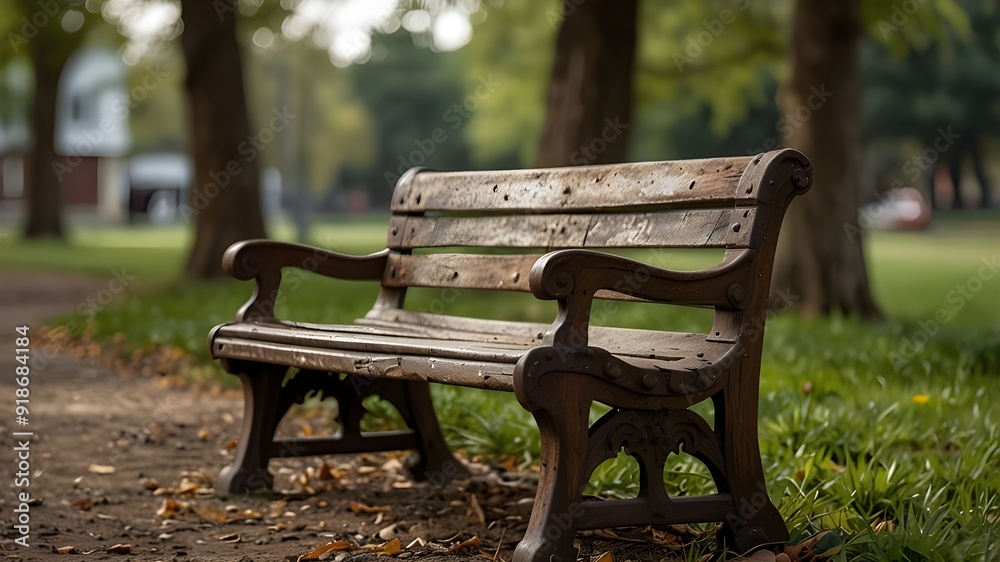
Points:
[[446, 349]]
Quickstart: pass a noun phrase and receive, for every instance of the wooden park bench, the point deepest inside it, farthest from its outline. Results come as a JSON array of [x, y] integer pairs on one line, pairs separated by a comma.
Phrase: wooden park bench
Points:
[[560, 219]]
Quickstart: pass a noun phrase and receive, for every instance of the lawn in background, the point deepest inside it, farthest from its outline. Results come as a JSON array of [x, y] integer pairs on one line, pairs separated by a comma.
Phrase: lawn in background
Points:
[[886, 430]]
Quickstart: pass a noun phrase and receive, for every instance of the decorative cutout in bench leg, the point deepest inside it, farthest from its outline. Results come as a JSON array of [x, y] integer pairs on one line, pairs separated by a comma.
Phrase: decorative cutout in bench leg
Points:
[[754, 521], [560, 404], [261, 413], [433, 460]]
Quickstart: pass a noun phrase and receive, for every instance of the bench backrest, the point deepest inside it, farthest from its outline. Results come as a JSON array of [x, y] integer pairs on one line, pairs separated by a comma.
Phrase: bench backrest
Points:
[[731, 203]]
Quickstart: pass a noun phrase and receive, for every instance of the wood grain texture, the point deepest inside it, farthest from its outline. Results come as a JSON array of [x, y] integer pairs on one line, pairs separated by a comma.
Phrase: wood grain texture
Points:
[[692, 228], [708, 182]]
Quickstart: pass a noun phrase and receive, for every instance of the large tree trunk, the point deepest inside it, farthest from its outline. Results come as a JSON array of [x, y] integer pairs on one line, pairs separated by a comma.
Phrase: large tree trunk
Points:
[[589, 107], [820, 258], [44, 198], [225, 193]]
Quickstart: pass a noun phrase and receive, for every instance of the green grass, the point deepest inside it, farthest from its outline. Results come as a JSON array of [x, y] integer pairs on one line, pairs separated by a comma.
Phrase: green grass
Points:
[[888, 432]]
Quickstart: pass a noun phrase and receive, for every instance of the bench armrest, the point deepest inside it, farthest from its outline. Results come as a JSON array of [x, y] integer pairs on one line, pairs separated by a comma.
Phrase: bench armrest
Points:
[[263, 259], [574, 276]]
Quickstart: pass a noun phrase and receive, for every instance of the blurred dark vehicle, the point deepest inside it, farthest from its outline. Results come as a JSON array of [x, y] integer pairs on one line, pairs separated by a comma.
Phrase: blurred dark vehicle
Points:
[[158, 185]]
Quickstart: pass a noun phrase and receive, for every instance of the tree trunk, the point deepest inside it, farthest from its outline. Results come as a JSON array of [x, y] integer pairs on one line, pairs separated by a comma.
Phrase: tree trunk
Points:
[[225, 193], [589, 106], [820, 258], [44, 197]]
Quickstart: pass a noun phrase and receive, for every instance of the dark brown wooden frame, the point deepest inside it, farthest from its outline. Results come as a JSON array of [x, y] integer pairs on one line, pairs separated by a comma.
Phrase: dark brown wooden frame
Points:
[[650, 379]]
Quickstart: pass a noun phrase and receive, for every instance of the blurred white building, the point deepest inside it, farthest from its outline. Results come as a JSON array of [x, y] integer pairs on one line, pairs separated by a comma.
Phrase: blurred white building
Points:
[[91, 138]]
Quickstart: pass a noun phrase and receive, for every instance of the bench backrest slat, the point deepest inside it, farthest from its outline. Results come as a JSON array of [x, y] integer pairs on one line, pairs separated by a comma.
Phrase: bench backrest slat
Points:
[[693, 228], [688, 183]]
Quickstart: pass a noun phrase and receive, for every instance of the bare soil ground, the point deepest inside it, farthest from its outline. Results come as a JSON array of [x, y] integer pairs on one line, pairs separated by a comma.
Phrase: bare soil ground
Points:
[[127, 458]]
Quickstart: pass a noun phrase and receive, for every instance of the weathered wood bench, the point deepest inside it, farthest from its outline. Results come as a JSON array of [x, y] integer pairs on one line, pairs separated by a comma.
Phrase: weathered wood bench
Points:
[[649, 378]]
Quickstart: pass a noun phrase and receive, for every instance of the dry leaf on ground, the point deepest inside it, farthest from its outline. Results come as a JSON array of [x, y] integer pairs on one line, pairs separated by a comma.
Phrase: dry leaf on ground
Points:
[[120, 549], [358, 507], [472, 544], [335, 546]]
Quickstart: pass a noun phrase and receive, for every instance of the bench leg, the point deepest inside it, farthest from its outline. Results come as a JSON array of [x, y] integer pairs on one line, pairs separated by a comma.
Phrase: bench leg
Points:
[[755, 521], [562, 412], [433, 460], [262, 410]]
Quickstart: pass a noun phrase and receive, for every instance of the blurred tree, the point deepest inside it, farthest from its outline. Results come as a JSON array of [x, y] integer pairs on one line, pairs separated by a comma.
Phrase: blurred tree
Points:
[[225, 197], [589, 103], [50, 32], [950, 106], [821, 99], [820, 256]]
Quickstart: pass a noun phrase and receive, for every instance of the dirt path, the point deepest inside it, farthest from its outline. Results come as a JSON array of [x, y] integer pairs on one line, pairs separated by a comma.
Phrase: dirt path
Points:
[[125, 461]]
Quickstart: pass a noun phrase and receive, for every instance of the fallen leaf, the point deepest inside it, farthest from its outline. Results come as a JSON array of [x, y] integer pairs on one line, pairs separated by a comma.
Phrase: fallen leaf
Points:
[[120, 549], [67, 550], [324, 472], [335, 546], [606, 557], [474, 504], [276, 509], [510, 463], [101, 469], [84, 505], [188, 488], [231, 537], [150, 484], [172, 507], [472, 544], [358, 507], [417, 542], [211, 514], [388, 532], [385, 549], [203, 434]]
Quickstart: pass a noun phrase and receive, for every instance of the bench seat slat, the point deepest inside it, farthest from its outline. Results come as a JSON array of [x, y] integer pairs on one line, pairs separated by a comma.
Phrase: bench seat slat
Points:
[[652, 344], [642, 348], [691, 228], [475, 374], [706, 182]]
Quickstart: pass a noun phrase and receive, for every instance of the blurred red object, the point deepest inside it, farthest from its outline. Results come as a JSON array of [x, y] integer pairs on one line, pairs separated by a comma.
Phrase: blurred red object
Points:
[[898, 209]]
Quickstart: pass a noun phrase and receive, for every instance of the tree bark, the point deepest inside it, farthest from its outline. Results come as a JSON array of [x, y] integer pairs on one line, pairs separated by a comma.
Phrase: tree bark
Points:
[[44, 196], [589, 105], [820, 256], [225, 194]]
